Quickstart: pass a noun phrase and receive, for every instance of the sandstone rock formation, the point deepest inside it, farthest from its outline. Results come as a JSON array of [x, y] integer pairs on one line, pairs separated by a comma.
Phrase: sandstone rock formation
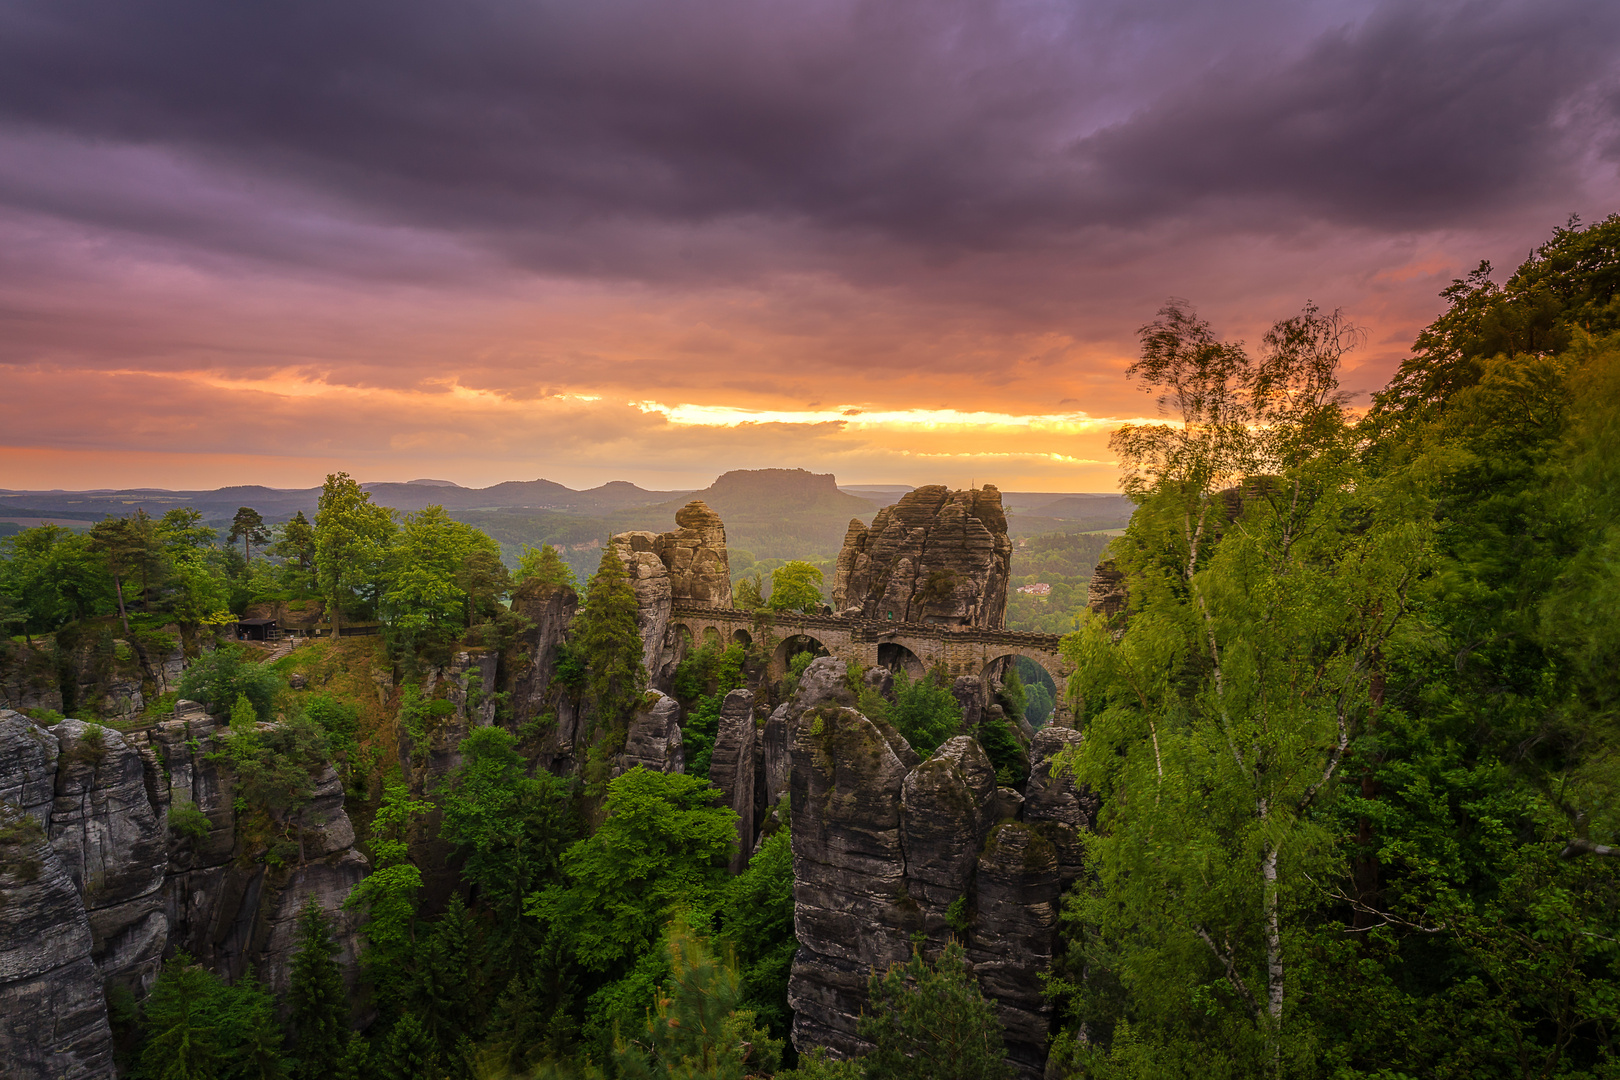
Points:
[[99, 877], [1107, 595], [695, 556], [654, 738], [886, 846], [550, 609], [688, 566], [649, 577], [734, 768], [53, 1017], [935, 556]]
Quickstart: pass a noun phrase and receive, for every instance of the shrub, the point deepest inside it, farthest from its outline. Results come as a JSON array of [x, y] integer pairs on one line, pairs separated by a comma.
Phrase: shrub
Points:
[[188, 822], [217, 679]]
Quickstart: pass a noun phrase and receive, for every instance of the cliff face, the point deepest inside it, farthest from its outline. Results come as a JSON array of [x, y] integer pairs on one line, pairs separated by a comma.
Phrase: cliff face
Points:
[[105, 890], [886, 846], [688, 565], [936, 556]]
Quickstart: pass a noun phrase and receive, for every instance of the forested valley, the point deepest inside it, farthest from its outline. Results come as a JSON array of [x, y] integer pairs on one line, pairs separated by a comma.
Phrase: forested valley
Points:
[[1344, 702]]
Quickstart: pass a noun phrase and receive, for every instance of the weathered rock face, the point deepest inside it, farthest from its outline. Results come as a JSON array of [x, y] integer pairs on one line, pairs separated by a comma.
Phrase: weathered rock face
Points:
[[53, 1017], [649, 577], [111, 835], [115, 875], [654, 738], [734, 768], [550, 610], [851, 908], [695, 556], [1107, 593], [886, 846], [936, 556]]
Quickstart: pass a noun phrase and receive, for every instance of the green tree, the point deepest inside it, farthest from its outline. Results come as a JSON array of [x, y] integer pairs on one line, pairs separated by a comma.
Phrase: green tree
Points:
[[318, 1002], [409, 1053], [511, 829], [297, 545], [54, 576], [387, 896], [131, 548], [929, 1021], [248, 526], [796, 586], [545, 566], [352, 537], [697, 1027], [183, 1040], [197, 581], [756, 921], [218, 677], [924, 711], [662, 849], [609, 640], [1222, 714], [423, 606]]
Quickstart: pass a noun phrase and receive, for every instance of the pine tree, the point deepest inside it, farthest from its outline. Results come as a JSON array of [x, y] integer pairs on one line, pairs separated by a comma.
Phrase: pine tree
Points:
[[182, 1021], [930, 1022], [611, 643], [443, 993], [355, 1064], [409, 1053], [320, 1007]]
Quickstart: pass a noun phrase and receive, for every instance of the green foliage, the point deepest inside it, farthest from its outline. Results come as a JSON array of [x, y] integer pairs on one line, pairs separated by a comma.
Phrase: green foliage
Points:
[[274, 769], [924, 711], [748, 594], [756, 922], [701, 684], [544, 566], [318, 1003], [352, 544], [248, 526], [188, 822], [662, 849], [1007, 755], [697, 1027], [198, 1028], [218, 678], [610, 643], [796, 586], [408, 1053], [511, 829], [419, 717], [387, 896], [929, 1021], [51, 576]]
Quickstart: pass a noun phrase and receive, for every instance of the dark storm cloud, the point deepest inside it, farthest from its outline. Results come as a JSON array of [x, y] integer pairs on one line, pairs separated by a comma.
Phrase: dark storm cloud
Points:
[[625, 137]]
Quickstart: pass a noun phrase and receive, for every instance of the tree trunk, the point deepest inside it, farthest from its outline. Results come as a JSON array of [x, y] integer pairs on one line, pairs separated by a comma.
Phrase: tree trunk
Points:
[[122, 614], [1274, 957]]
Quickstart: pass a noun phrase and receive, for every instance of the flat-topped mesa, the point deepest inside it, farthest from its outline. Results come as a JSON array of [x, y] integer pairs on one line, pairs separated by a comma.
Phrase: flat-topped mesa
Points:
[[936, 556]]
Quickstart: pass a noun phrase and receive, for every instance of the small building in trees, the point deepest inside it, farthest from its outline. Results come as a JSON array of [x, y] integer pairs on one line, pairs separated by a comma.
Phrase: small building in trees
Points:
[[257, 630]]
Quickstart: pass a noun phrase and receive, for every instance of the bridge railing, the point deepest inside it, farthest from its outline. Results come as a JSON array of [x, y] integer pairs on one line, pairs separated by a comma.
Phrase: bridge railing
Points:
[[869, 630]]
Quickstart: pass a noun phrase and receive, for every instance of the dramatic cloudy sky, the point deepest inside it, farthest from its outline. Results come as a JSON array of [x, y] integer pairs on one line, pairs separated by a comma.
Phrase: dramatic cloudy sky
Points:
[[655, 239]]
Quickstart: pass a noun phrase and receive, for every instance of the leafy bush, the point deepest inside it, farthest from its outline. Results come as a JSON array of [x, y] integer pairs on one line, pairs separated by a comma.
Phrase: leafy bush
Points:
[[188, 822], [218, 678], [924, 711]]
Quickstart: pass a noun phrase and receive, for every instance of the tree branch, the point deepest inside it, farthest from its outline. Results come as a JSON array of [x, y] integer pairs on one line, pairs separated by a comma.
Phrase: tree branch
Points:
[[1231, 970]]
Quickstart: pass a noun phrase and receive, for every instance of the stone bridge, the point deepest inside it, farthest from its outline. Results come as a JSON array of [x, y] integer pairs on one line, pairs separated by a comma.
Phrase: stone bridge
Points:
[[917, 647]]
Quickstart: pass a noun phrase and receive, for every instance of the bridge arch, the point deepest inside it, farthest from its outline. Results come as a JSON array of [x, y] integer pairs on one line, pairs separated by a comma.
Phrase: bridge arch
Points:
[[1042, 690], [896, 657], [789, 647]]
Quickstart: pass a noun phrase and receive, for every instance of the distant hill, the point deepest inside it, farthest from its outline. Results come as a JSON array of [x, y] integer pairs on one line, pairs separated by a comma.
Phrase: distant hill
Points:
[[772, 513]]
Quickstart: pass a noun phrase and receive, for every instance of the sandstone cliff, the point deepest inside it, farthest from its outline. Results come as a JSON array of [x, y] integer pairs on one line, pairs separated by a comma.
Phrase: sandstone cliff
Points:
[[688, 566], [886, 846], [935, 556], [112, 890]]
